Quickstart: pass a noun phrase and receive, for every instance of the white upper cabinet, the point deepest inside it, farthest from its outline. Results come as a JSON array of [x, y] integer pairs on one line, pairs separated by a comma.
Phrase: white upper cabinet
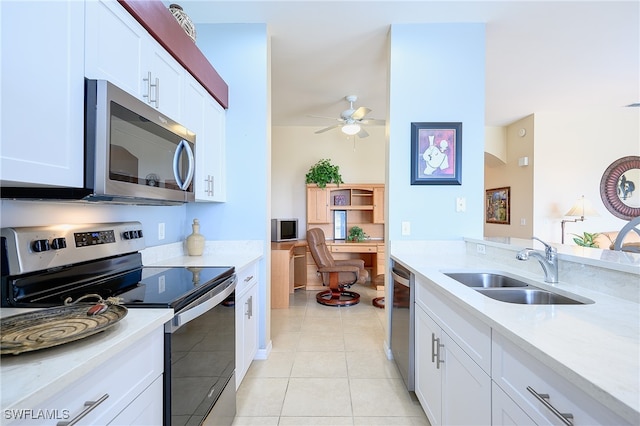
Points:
[[206, 118], [42, 86], [120, 50]]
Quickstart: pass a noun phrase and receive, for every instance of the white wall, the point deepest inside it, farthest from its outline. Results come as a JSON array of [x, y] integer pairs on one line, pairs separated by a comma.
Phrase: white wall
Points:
[[436, 75], [572, 150], [296, 149]]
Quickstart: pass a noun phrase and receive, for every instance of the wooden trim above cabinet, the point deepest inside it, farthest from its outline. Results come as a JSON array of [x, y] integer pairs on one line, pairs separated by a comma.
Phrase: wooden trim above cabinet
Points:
[[164, 28]]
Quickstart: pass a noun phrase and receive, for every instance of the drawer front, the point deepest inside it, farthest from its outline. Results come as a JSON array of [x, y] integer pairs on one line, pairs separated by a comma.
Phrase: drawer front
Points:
[[473, 336], [247, 276], [364, 248], [514, 370], [122, 378]]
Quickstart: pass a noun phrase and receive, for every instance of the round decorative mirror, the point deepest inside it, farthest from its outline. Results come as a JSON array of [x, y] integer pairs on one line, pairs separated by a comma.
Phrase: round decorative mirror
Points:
[[620, 187]]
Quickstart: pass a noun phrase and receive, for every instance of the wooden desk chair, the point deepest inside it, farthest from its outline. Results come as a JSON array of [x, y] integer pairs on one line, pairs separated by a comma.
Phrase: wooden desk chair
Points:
[[339, 275]]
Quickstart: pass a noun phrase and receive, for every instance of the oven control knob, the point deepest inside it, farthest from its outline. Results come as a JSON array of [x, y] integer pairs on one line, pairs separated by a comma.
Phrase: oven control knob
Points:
[[40, 246], [58, 243]]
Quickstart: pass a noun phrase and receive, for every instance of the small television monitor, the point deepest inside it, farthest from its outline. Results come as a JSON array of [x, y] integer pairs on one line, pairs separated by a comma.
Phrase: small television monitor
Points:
[[284, 229]]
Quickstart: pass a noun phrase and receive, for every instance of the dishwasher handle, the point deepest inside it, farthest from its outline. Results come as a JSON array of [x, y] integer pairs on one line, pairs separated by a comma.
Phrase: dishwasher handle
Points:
[[399, 279]]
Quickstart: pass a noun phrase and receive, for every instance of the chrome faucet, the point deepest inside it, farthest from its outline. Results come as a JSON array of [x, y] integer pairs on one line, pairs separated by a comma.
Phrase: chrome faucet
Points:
[[549, 261]]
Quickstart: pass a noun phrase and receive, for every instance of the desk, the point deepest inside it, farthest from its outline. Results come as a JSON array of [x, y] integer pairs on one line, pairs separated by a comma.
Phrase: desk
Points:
[[292, 266], [288, 271]]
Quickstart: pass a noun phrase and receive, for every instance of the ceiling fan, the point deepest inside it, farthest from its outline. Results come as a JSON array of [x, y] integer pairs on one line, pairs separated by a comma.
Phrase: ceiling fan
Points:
[[352, 120]]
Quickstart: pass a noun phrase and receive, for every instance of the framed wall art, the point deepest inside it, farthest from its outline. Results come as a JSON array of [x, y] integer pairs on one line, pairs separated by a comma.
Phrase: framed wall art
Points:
[[498, 205], [436, 153]]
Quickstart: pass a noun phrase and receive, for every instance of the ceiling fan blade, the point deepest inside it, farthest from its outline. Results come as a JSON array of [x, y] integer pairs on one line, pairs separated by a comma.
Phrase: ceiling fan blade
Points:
[[324, 116], [360, 113], [372, 121], [363, 133], [326, 129]]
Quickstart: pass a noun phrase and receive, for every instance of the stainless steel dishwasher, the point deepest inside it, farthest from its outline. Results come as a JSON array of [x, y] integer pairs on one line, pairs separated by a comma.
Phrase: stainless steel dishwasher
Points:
[[402, 323]]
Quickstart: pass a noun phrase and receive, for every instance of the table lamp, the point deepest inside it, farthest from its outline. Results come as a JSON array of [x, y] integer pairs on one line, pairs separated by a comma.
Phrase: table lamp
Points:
[[582, 207]]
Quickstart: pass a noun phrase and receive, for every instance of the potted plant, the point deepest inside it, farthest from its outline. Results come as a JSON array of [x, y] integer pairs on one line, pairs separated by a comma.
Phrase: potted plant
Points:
[[356, 234], [323, 172], [586, 240]]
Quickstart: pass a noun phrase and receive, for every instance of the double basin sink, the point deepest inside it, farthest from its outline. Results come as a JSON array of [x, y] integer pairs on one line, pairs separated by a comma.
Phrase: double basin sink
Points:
[[512, 290]]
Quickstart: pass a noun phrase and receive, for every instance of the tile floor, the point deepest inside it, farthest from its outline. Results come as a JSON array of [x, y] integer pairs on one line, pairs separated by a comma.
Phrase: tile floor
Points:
[[327, 367]]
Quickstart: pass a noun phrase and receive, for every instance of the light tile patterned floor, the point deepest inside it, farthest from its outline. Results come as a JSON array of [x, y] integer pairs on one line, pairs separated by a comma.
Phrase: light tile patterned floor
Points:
[[327, 367]]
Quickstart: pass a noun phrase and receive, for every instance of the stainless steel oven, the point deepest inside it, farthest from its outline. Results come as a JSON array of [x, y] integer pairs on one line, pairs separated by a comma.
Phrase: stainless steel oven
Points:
[[44, 266]]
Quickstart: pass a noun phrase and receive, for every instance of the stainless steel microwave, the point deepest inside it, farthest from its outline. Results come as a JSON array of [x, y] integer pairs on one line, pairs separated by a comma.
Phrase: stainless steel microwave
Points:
[[133, 152]]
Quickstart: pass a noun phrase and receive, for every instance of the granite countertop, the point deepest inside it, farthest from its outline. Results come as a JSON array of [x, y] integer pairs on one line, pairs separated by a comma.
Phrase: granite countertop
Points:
[[31, 378], [594, 346]]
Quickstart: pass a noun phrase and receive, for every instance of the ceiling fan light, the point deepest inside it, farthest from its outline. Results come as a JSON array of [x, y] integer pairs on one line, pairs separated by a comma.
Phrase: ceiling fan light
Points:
[[351, 129]]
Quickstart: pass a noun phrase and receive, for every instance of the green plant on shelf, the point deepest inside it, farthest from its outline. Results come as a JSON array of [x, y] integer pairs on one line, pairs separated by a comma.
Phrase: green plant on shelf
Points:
[[356, 234], [323, 172]]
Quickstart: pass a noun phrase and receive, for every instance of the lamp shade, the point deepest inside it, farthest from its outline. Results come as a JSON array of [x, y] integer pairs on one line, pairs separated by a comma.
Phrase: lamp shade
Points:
[[582, 207], [351, 129]]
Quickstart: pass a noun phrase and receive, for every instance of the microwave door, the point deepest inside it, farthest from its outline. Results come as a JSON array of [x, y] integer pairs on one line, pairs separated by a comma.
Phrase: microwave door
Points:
[[147, 160]]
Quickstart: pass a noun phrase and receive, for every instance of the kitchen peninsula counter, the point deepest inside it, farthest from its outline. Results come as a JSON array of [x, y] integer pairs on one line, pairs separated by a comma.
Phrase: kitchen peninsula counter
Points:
[[595, 346], [31, 378]]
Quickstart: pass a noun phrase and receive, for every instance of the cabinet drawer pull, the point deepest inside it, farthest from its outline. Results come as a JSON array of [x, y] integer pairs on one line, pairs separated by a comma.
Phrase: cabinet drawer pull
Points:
[[543, 398], [90, 405], [249, 278]]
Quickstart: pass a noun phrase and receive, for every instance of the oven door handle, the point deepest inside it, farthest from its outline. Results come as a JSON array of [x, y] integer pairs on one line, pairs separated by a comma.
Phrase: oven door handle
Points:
[[203, 304]]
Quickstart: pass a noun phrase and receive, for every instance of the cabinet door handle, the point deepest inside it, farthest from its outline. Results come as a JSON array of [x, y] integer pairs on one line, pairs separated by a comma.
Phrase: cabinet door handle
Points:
[[249, 278], [90, 405], [249, 304], [148, 81], [438, 347], [565, 418], [157, 87], [433, 347]]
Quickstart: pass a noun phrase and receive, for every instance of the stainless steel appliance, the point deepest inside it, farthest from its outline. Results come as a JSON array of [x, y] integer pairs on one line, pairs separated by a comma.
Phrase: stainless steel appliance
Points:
[[133, 154], [43, 266], [402, 323]]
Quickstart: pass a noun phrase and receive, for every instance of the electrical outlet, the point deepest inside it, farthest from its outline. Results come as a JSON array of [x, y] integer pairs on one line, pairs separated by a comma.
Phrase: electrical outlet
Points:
[[480, 248], [523, 221], [461, 204], [161, 231], [406, 228]]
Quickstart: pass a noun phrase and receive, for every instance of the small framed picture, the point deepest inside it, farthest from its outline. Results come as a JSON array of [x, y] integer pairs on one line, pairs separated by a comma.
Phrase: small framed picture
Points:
[[436, 153], [498, 205], [339, 224]]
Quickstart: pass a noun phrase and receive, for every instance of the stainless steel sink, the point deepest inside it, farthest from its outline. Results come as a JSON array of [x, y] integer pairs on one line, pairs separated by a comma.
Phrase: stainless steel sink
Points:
[[485, 279], [512, 290], [529, 296]]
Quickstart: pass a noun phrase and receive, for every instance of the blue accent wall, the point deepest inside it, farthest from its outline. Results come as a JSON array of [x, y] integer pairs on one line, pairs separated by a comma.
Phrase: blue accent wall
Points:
[[437, 74]]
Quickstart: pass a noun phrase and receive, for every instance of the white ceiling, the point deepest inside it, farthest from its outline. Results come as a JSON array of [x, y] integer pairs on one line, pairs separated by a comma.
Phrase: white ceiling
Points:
[[540, 55]]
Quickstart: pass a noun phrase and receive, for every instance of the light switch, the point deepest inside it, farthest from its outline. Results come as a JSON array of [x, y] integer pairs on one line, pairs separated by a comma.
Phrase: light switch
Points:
[[461, 204], [406, 228]]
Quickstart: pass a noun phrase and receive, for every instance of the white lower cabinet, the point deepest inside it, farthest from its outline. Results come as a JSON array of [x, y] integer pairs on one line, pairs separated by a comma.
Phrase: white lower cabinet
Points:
[[246, 320], [124, 390], [450, 384], [451, 387], [557, 402], [504, 411]]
